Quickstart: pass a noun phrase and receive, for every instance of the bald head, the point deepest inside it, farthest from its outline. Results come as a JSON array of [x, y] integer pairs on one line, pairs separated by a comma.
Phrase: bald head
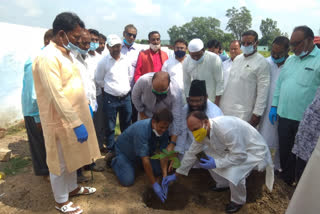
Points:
[[160, 81]]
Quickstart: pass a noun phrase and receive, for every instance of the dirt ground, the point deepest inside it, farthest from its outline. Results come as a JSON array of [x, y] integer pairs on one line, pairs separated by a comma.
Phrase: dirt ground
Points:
[[26, 193]]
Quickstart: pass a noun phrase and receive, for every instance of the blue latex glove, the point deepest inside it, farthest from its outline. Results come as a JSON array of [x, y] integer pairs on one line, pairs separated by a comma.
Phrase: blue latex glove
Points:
[[159, 192], [208, 164], [273, 114], [81, 133], [166, 181], [91, 111]]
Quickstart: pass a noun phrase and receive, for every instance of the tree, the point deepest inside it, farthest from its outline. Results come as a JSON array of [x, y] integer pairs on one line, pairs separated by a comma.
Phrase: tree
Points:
[[269, 31], [204, 28], [239, 21]]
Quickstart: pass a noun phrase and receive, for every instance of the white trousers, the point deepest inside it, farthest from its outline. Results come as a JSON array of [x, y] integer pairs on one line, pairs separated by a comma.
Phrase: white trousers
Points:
[[64, 183], [238, 192]]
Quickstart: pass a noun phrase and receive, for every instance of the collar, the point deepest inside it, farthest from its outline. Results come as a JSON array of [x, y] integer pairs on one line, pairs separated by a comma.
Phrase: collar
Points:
[[133, 46], [315, 51]]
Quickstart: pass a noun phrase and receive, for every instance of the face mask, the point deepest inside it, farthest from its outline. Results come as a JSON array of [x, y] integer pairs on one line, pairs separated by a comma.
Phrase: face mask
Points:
[[199, 134], [303, 53], [93, 46], [156, 133], [247, 50], [127, 43], [82, 52], [199, 60], [69, 46], [180, 53], [155, 48], [277, 61]]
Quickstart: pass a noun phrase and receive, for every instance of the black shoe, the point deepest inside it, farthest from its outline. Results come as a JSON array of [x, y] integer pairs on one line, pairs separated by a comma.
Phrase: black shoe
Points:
[[233, 207], [219, 189]]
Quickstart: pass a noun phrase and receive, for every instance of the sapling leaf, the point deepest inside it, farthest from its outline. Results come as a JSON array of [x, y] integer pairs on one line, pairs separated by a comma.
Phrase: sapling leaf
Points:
[[165, 151], [154, 157]]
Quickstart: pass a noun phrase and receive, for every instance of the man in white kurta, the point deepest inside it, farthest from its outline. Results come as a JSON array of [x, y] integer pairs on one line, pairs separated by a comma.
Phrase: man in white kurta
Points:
[[226, 65], [197, 100], [174, 64], [203, 65], [279, 54], [233, 147], [247, 90]]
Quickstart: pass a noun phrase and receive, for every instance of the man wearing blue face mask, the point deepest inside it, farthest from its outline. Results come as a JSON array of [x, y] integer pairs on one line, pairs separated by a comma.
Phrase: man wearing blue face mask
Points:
[[174, 64], [295, 89], [203, 65], [279, 54], [246, 93]]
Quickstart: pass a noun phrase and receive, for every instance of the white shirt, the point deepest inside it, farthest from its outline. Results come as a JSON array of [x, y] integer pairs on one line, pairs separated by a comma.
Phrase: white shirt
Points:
[[175, 70], [92, 61], [132, 54], [237, 149], [226, 67], [113, 75], [248, 86], [209, 70], [87, 77], [266, 129], [186, 138]]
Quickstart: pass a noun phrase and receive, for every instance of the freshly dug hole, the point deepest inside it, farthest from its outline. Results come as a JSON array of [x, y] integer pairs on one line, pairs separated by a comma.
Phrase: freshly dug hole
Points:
[[178, 198]]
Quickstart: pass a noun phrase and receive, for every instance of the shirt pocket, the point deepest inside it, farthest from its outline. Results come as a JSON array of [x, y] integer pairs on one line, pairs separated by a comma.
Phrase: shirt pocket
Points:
[[247, 74], [307, 76]]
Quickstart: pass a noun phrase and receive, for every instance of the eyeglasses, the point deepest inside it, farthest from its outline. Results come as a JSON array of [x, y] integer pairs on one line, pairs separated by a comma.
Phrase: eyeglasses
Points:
[[131, 34], [295, 44], [247, 43]]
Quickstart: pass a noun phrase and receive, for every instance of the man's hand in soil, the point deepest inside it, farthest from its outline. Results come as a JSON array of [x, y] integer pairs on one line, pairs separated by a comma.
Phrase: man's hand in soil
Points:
[[159, 192], [166, 181]]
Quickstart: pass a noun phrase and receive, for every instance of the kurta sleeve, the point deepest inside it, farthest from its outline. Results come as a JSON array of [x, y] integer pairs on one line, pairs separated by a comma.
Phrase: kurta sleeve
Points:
[[276, 93], [137, 92], [186, 76], [237, 149], [190, 158], [177, 105], [100, 73], [263, 84], [165, 66], [218, 76], [183, 136], [137, 73], [50, 77]]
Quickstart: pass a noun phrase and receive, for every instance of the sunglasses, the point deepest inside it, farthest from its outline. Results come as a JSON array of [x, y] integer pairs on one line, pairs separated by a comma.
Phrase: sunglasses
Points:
[[131, 34]]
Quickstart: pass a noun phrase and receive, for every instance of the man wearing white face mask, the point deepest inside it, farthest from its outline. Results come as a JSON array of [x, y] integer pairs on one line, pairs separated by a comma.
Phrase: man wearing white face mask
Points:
[[295, 90], [232, 150], [150, 60], [203, 65], [246, 93]]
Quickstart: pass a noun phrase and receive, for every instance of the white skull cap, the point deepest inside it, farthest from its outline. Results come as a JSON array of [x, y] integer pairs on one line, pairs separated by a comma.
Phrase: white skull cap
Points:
[[195, 45]]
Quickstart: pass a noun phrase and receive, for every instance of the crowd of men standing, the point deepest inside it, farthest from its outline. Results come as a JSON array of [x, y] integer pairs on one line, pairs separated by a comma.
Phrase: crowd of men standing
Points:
[[235, 108]]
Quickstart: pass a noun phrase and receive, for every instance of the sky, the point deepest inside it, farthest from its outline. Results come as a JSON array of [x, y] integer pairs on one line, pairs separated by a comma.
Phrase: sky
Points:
[[110, 16]]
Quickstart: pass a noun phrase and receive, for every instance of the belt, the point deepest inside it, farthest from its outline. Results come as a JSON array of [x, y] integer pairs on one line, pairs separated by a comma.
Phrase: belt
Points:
[[118, 97]]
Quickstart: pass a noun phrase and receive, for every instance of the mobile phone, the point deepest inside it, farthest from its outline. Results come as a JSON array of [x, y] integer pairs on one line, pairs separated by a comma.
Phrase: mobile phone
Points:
[[202, 155]]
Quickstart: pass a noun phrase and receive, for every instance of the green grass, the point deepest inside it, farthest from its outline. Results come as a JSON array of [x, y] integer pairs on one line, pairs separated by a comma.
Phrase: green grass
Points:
[[15, 165]]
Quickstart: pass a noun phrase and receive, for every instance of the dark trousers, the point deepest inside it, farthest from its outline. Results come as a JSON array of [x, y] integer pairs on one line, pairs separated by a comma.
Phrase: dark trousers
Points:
[[300, 165], [37, 147], [287, 131], [99, 122], [111, 106]]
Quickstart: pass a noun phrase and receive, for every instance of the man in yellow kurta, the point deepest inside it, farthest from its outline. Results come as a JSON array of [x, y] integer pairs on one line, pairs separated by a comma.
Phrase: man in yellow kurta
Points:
[[68, 129]]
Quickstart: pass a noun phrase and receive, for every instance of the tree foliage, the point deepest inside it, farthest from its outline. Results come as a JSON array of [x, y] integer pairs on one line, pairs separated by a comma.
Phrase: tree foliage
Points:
[[269, 31], [204, 28], [239, 21]]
